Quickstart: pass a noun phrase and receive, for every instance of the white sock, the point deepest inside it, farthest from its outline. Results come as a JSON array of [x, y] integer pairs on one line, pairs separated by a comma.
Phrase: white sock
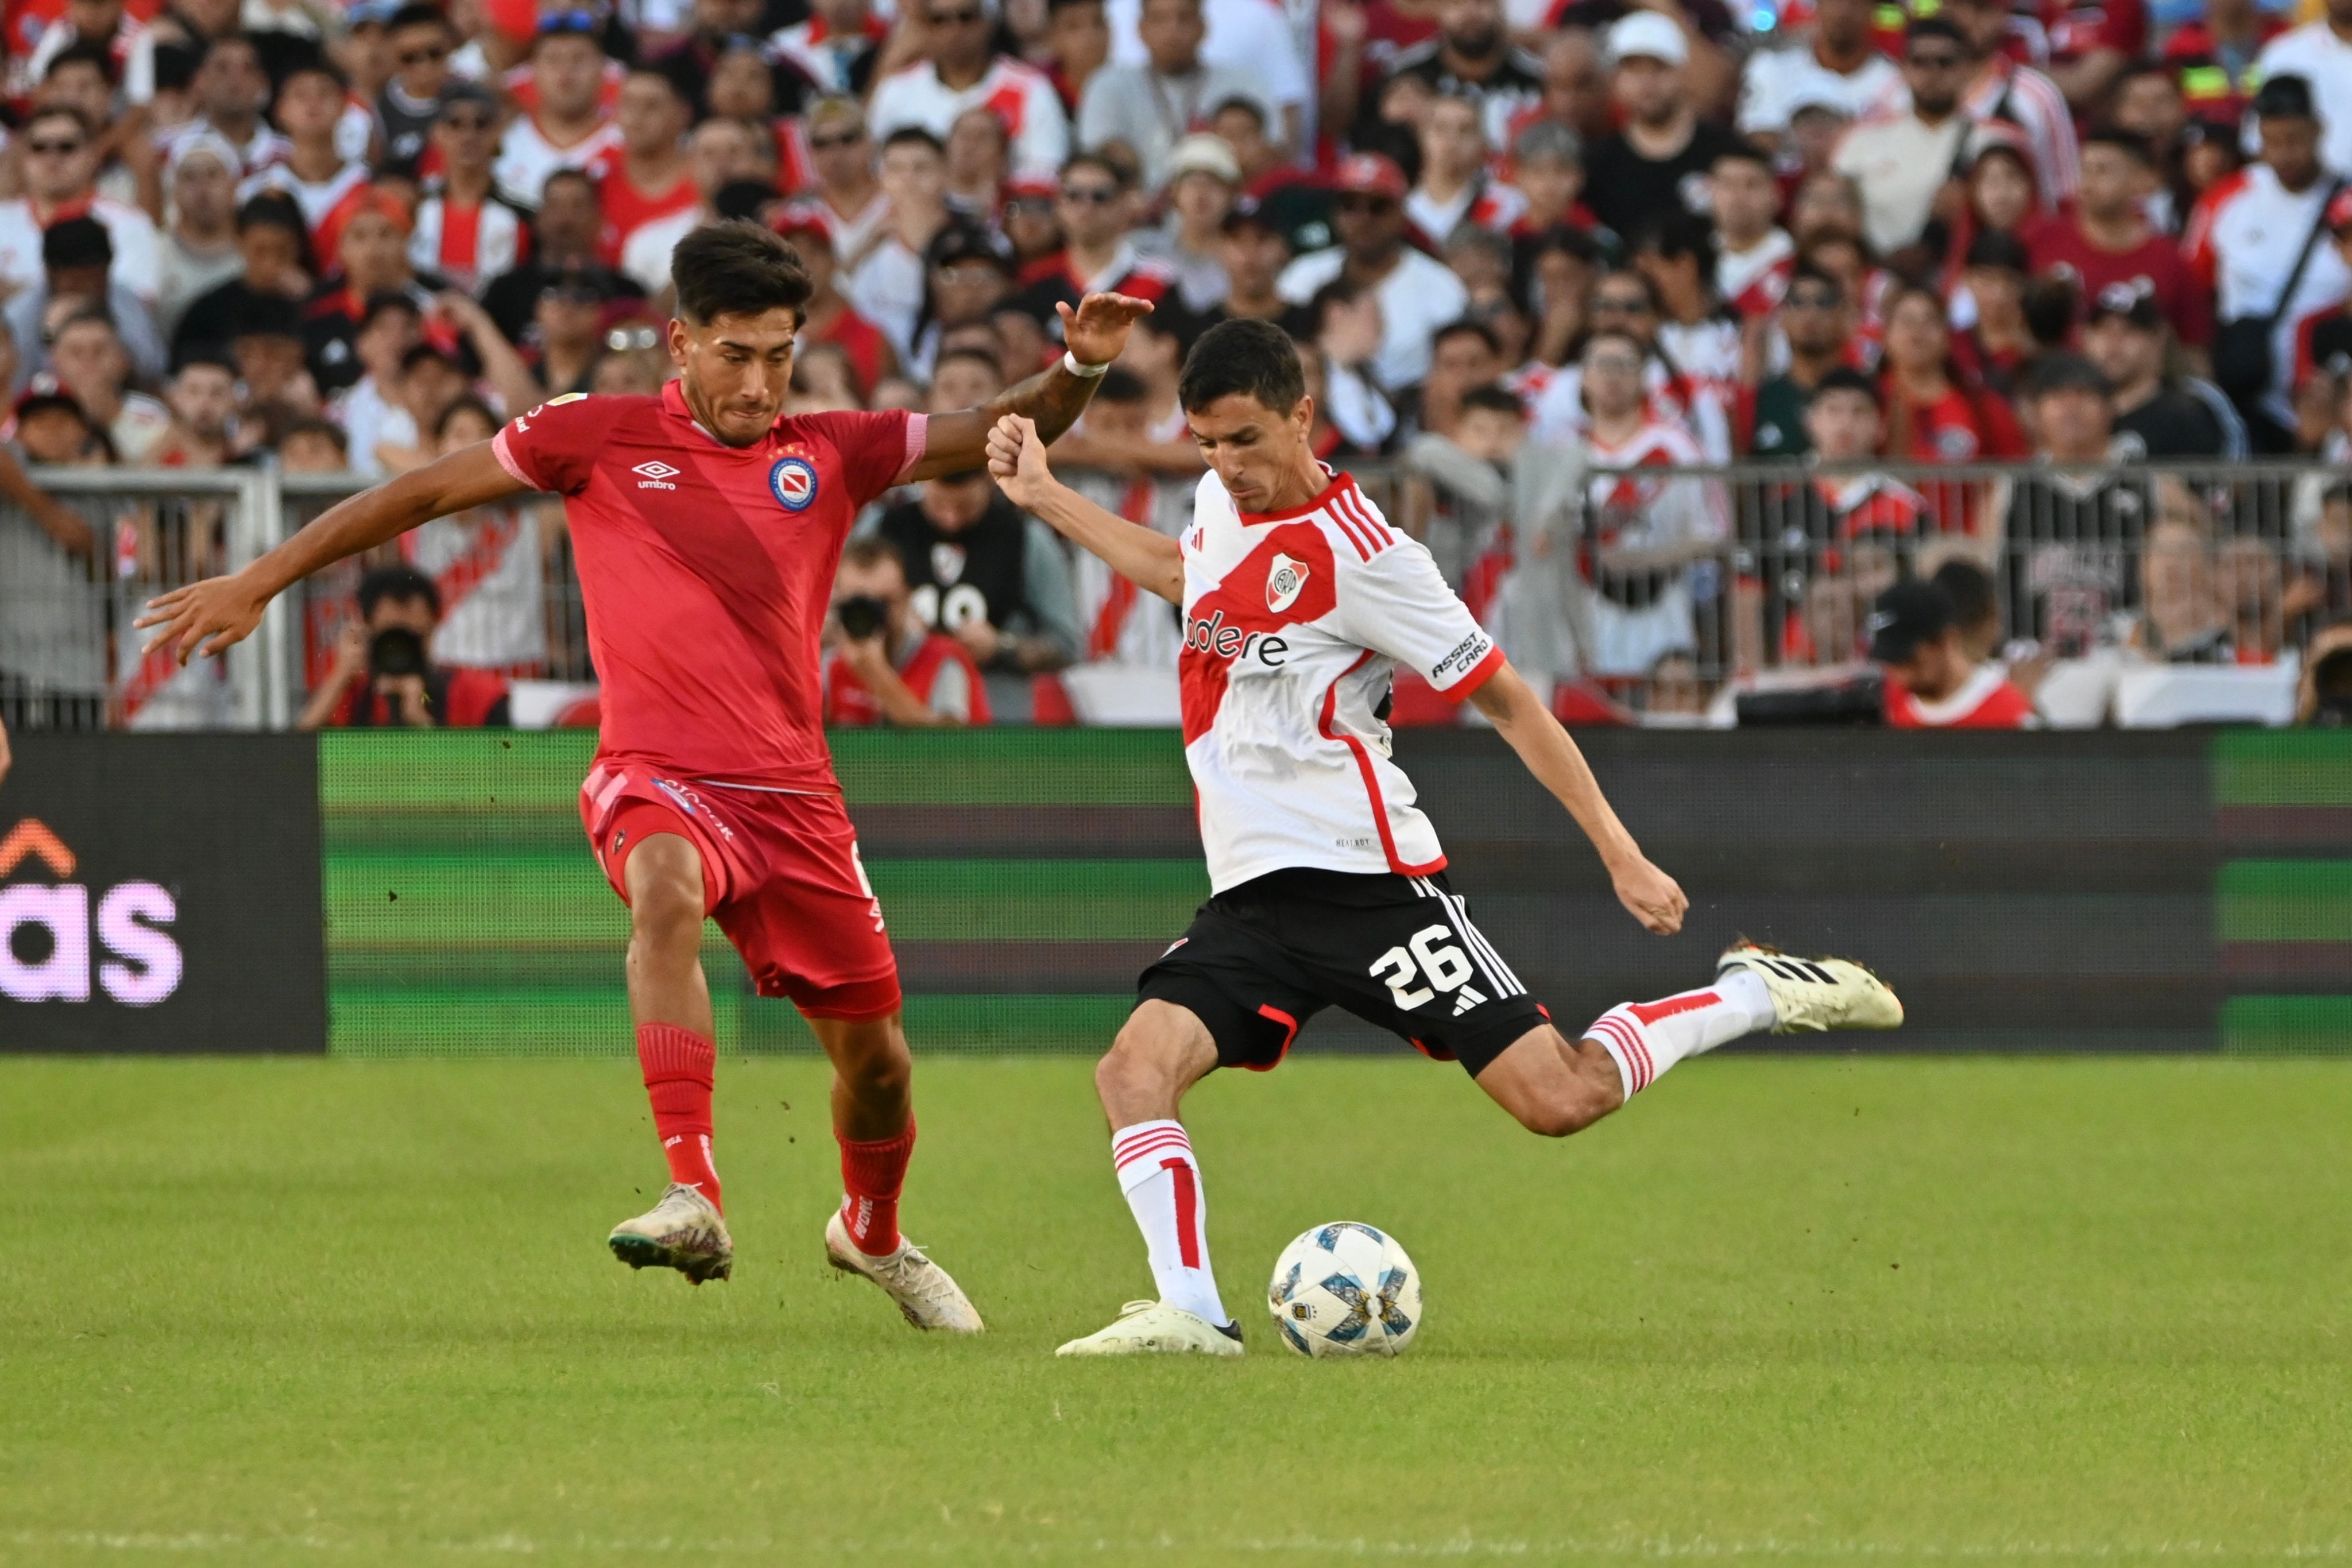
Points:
[[1645, 1039], [1162, 1184]]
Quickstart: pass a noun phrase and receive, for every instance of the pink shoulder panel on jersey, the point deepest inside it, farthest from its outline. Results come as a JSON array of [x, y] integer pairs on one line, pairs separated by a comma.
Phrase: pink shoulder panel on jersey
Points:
[[918, 438], [504, 453]]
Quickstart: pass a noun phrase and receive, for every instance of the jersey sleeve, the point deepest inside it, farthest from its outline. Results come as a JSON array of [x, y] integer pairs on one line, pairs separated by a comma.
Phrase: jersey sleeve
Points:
[[877, 450], [1397, 604], [554, 447]]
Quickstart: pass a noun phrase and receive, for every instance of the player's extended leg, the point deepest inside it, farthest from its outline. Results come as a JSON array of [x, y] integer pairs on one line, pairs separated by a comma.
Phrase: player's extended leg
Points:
[[1161, 1051], [874, 1122], [1556, 1087], [669, 1000]]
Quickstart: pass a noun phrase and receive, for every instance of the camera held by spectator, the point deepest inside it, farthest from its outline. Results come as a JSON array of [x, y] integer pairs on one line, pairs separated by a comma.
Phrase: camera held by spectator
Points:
[[383, 675], [887, 667]]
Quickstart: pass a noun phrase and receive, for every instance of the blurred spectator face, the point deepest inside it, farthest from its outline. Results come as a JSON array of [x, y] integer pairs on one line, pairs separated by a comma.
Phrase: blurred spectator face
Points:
[[1813, 316], [308, 104], [726, 18], [1845, 424], [1612, 376], [2074, 424], [1481, 258], [1201, 199], [968, 290], [229, 84], [964, 381], [1935, 669], [957, 501], [1746, 201], [310, 452], [2001, 191], [1842, 24], [958, 35], [80, 84], [267, 364], [1026, 348], [2126, 353], [2114, 181], [1457, 362], [1935, 70], [2176, 575], [1813, 133], [1621, 304], [1077, 36], [1243, 129], [2149, 104], [1153, 353], [815, 252], [631, 374], [1674, 687], [1983, 22], [468, 135], [1826, 204], [722, 151], [976, 151], [1371, 226], [1474, 27], [2250, 582], [2213, 157], [465, 428], [884, 581], [1031, 225], [567, 316], [405, 614], [204, 191], [652, 117], [569, 218], [913, 176], [1917, 340], [420, 58], [1093, 209], [1649, 91], [1404, 98], [741, 85], [1125, 423], [1488, 433], [89, 358], [203, 396], [2000, 292], [1453, 143], [1171, 33], [1575, 89], [843, 154], [2291, 147], [54, 435], [569, 70], [1552, 186], [58, 163], [429, 386], [822, 382], [375, 252]]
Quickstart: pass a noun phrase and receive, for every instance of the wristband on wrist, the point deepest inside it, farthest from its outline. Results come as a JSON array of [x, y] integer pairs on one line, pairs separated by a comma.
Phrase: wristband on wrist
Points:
[[1084, 373]]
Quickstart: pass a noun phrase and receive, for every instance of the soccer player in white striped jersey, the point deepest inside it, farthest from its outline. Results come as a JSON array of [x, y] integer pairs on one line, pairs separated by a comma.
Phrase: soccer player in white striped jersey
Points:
[[1330, 888]]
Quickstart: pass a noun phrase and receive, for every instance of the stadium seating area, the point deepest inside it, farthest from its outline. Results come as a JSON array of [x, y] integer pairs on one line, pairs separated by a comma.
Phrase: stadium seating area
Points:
[[1680, 336]]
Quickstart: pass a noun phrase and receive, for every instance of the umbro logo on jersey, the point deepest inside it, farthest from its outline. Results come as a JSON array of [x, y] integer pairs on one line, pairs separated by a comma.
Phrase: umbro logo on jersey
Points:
[[1284, 583], [657, 476]]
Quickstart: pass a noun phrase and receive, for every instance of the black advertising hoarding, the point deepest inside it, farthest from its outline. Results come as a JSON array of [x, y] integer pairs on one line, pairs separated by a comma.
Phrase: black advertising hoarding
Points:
[[161, 893]]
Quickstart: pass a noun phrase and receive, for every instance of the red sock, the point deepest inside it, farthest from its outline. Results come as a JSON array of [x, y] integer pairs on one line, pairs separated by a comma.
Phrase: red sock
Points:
[[679, 1066], [871, 1176]]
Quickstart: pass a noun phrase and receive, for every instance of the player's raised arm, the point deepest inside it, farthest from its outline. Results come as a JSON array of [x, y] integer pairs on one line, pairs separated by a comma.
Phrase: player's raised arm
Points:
[[1093, 334], [209, 616], [1650, 894], [1145, 557]]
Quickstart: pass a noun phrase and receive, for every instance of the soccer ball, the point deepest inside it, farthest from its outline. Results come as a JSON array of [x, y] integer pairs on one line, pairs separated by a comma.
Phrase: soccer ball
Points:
[[1345, 1289]]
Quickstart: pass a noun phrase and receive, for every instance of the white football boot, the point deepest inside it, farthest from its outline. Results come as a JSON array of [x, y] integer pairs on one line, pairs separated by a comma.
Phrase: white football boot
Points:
[[1815, 993], [684, 1231], [1155, 1328], [927, 1297]]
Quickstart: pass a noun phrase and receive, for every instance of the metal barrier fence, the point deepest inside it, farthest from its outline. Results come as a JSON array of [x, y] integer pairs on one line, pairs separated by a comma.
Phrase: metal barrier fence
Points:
[[1656, 584]]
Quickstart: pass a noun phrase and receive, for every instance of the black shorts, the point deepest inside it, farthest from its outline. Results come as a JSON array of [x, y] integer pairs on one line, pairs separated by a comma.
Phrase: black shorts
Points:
[[1260, 959]]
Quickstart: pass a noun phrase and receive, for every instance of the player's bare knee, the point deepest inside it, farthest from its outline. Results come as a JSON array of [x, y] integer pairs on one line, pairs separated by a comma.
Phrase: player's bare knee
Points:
[[874, 1061], [1147, 1061]]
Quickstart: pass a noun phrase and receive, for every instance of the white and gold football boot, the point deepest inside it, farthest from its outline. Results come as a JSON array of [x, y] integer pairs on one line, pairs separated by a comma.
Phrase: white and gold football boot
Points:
[[926, 1296], [1815, 993], [684, 1231], [1155, 1328]]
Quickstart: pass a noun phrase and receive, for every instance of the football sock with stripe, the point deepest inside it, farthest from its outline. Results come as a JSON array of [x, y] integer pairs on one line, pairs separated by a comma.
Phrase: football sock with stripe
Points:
[[872, 1175], [679, 1067], [1162, 1184], [1645, 1039]]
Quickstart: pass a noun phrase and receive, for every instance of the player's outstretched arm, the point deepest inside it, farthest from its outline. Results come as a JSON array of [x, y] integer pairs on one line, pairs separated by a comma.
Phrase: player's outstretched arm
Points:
[[209, 616], [1150, 560], [1650, 894], [1094, 333]]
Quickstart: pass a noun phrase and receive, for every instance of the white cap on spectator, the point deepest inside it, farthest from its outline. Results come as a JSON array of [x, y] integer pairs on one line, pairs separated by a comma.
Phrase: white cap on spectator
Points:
[[1202, 153], [1649, 36]]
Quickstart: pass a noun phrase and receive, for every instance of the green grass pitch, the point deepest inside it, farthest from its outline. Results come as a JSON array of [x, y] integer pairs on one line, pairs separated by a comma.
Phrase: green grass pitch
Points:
[[1827, 1309]]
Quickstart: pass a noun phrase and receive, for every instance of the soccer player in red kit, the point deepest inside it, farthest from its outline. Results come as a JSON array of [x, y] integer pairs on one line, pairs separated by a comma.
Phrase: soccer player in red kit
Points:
[[707, 527]]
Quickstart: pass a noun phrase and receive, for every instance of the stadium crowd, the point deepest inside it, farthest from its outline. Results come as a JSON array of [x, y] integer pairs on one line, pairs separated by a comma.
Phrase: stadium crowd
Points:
[[1539, 257]]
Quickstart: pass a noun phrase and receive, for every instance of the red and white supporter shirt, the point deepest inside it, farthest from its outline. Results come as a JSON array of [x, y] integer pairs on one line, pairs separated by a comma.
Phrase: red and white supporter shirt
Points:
[[486, 566], [1986, 700], [706, 570], [470, 244], [1295, 623], [1020, 96], [327, 205], [526, 158]]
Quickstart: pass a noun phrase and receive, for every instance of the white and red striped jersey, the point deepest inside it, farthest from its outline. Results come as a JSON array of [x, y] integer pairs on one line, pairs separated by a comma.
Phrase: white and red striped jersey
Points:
[[327, 205], [1636, 511], [128, 229], [1123, 624], [1293, 625], [2024, 96], [1752, 281], [262, 148], [1021, 96], [526, 158], [1554, 396], [486, 563], [1488, 204], [468, 244], [2243, 238]]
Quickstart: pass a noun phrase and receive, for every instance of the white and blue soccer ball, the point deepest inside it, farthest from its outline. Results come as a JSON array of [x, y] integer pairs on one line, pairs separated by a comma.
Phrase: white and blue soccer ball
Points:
[[1345, 1289]]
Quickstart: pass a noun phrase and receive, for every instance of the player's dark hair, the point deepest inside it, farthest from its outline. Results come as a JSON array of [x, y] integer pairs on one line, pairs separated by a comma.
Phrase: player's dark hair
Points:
[[1846, 379], [1122, 386], [399, 584], [1250, 358], [1495, 398], [736, 269]]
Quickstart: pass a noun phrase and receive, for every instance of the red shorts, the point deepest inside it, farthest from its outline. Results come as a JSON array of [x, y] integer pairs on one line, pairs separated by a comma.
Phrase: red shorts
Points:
[[780, 873]]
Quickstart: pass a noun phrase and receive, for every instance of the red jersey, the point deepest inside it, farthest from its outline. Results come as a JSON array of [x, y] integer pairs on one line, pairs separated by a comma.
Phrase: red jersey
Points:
[[1986, 700], [707, 569], [2153, 267], [625, 206], [862, 342]]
